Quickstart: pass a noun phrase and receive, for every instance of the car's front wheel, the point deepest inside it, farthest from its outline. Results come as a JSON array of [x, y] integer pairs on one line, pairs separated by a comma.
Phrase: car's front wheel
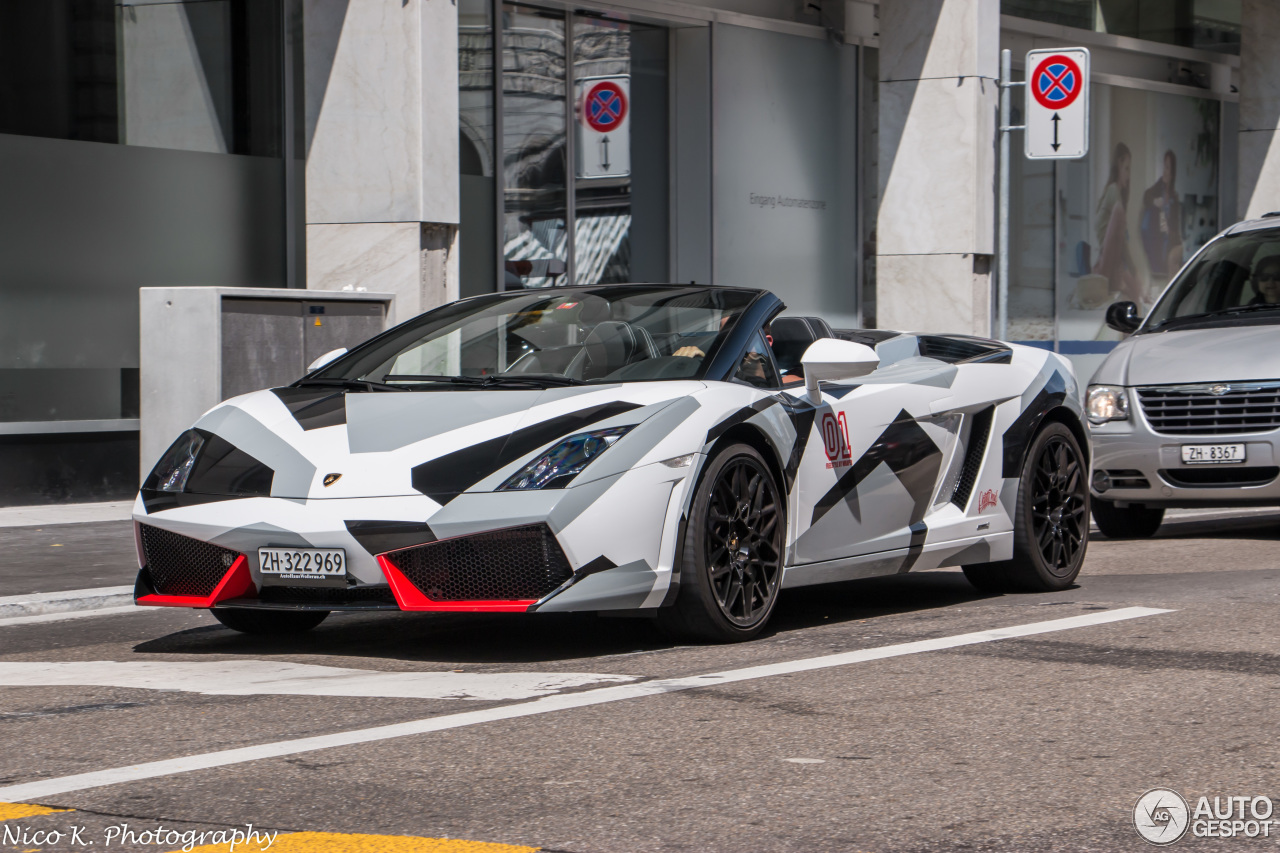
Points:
[[1130, 522], [731, 563], [1051, 519], [269, 621]]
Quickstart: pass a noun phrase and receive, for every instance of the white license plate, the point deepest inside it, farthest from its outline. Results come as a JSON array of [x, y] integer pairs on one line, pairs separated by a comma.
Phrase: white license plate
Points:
[[1202, 454], [298, 563]]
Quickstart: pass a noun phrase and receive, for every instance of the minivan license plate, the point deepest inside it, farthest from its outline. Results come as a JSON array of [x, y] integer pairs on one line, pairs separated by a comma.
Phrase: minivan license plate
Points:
[[1206, 454]]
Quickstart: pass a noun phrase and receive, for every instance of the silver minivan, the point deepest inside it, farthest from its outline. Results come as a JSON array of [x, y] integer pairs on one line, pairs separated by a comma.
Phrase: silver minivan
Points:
[[1185, 412]]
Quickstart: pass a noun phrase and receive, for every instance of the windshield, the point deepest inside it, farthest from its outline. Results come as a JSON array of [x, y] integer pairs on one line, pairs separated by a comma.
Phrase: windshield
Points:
[[563, 336], [1234, 277]]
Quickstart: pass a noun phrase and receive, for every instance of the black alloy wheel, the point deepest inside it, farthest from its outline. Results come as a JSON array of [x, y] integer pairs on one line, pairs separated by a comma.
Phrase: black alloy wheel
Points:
[[742, 553], [1050, 520], [731, 561], [1059, 506]]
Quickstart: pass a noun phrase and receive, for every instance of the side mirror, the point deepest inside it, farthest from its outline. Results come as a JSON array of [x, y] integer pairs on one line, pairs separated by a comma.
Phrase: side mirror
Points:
[[831, 360], [1123, 317], [329, 357]]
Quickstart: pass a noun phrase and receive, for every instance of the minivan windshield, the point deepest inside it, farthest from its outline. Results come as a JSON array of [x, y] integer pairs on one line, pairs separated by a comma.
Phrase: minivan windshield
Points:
[[560, 336], [1235, 279]]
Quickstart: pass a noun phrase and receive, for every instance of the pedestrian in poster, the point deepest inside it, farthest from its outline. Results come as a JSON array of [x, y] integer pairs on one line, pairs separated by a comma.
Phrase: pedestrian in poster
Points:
[[1112, 229], [1162, 221]]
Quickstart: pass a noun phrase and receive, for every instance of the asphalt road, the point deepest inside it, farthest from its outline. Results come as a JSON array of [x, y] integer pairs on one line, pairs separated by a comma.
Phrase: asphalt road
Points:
[[1032, 743]]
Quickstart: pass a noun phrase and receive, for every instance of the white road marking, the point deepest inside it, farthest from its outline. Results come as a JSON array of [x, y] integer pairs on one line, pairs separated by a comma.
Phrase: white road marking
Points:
[[547, 704], [805, 760], [65, 601], [78, 614], [259, 677]]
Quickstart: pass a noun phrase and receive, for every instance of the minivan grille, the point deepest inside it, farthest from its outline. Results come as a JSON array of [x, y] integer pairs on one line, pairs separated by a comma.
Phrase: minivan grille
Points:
[[1197, 410]]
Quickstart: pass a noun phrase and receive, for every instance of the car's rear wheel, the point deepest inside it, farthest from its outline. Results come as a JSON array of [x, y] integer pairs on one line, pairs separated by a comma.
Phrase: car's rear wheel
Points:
[[731, 562], [269, 621], [1051, 519], [1130, 522]]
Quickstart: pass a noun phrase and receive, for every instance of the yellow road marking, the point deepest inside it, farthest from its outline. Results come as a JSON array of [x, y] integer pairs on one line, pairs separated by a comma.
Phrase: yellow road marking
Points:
[[335, 842], [13, 811]]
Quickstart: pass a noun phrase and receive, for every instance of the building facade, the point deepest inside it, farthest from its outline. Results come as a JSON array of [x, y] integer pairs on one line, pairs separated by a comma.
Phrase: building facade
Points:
[[838, 152]]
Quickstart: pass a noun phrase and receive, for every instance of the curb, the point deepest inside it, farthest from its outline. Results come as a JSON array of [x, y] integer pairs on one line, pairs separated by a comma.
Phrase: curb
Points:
[[69, 601]]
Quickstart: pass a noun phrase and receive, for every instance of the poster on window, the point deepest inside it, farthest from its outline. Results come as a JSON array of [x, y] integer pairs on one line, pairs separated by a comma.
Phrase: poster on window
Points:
[[1142, 202]]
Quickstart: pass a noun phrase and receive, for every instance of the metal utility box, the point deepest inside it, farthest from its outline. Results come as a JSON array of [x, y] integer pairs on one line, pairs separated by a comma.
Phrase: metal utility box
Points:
[[202, 345]]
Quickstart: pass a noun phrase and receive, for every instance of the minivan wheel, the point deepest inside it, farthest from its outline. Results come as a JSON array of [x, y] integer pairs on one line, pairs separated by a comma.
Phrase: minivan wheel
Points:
[[1130, 522]]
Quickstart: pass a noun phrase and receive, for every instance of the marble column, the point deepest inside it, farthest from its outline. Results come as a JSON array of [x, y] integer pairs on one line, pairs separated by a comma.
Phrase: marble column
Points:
[[939, 63], [1259, 187], [381, 88]]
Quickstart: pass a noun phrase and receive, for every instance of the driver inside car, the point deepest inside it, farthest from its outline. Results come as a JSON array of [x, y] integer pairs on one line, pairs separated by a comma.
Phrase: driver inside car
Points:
[[695, 352], [1266, 281]]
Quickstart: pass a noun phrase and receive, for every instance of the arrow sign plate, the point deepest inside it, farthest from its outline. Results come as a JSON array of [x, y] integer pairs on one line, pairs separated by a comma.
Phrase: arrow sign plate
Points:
[[1057, 103], [604, 127]]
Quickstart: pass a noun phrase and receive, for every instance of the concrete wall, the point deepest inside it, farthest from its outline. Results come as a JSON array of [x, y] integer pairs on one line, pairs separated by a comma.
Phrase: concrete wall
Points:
[[1259, 174], [382, 148], [938, 101]]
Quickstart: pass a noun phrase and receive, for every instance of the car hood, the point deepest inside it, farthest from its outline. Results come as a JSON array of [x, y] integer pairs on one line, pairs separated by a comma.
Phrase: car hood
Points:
[[437, 443], [1237, 354]]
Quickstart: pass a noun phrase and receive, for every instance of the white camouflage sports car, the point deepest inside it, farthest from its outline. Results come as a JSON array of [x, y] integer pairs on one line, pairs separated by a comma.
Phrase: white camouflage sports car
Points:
[[681, 450]]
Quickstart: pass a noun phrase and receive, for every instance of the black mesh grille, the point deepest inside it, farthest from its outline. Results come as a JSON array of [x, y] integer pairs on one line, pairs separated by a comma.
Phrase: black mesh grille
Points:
[[1220, 478], [1196, 410], [978, 435], [517, 564], [180, 565], [326, 595]]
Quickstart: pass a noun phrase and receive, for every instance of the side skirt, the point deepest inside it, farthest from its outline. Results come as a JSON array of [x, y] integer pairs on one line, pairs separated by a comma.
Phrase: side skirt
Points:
[[976, 549]]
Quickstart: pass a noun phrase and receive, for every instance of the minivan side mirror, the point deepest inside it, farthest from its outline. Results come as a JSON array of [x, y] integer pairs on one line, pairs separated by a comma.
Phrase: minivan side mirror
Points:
[[1123, 317], [831, 360], [329, 357]]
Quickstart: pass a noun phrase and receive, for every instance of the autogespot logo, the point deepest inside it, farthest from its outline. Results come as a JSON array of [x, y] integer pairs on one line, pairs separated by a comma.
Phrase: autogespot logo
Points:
[[1161, 816]]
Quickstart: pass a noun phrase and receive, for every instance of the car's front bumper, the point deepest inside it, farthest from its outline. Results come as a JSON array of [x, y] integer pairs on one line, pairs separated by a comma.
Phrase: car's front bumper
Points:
[[613, 539], [1132, 464]]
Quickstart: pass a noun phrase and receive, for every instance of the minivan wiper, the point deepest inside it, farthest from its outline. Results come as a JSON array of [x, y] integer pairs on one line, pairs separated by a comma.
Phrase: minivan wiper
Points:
[[1225, 312], [348, 384], [537, 380]]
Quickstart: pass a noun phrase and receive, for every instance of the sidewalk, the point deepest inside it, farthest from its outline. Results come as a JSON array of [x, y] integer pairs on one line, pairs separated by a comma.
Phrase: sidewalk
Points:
[[38, 516], [49, 549]]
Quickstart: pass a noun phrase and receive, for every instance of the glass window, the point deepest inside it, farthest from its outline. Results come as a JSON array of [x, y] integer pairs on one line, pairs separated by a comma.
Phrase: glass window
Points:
[[195, 76], [534, 242], [600, 179], [477, 190], [620, 90], [1236, 277], [757, 367], [1204, 24], [1142, 202], [565, 336]]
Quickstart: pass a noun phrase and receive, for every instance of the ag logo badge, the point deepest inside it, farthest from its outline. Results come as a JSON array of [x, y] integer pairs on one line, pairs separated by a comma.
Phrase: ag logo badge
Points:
[[1161, 816], [330, 479]]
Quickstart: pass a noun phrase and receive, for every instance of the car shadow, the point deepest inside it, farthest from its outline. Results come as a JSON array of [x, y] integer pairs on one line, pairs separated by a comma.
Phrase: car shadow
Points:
[[1259, 526], [483, 638]]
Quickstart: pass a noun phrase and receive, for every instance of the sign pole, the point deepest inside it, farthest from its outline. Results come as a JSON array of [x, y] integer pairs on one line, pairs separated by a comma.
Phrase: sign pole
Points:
[[1002, 269]]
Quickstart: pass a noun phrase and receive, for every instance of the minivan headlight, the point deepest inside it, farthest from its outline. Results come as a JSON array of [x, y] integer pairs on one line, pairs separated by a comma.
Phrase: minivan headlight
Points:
[[555, 468], [1107, 403]]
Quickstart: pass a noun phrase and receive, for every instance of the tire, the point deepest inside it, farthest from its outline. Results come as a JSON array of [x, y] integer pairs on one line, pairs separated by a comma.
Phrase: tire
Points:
[[269, 621], [1131, 522], [1051, 520], [731, 556]]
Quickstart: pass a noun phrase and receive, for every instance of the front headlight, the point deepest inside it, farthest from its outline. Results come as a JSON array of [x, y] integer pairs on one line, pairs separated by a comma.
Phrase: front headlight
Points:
[[1107, 403], [555, 468], [174, 468]]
